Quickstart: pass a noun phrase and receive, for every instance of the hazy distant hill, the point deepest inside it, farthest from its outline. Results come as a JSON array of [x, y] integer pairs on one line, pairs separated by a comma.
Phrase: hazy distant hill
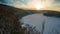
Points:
[[16, 11], [20, 12], [52, 13]]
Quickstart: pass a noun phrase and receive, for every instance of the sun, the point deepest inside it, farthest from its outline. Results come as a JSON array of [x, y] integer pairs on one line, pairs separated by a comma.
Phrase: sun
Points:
[[38, 7]]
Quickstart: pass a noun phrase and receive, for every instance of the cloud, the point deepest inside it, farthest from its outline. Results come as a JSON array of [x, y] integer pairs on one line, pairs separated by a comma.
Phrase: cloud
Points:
[[57, 0], [29, 4], [11, 2], [2, 1]]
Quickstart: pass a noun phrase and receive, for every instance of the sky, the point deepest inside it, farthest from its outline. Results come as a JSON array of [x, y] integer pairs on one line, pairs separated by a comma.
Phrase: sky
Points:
[[33, 4]]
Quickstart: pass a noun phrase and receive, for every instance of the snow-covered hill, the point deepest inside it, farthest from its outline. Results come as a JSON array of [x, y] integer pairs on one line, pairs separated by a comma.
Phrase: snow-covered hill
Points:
[[51, 26]]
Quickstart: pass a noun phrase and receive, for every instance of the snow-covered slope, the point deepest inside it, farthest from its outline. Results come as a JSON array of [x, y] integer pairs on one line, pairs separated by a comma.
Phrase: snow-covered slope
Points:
[[34, 20], [51, 26]]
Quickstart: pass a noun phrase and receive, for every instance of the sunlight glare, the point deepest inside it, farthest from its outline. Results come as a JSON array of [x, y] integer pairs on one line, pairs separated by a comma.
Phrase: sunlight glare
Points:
[[38, 6]]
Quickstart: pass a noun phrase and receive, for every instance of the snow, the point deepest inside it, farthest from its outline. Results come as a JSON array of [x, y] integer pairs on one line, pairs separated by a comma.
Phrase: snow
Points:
[[34, 20], [51, 26]]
